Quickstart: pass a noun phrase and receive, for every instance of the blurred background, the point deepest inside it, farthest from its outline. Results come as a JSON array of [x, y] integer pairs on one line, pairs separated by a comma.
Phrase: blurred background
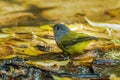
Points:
[[39, 12]]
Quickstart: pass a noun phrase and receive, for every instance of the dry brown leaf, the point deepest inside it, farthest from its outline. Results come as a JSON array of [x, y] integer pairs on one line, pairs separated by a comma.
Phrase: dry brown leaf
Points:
[[113, 12], [6, 51], [101, 45], [15, 18]]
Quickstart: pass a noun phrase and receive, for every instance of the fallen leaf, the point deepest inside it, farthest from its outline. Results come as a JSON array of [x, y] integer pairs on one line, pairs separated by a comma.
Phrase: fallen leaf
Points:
[[31, 51], [60, 78], [6, 52], [114, 77], [49, 64], [113, 12]]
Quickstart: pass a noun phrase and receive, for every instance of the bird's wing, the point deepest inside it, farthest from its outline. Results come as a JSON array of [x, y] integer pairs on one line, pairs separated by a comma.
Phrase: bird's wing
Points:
[[72, 38]]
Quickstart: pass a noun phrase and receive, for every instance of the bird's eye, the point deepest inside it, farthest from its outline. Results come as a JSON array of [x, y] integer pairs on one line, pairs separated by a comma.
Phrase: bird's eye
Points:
[[58, 28]]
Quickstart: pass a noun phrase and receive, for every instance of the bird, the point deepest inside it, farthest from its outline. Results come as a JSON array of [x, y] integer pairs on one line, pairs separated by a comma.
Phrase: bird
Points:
[[69, 41]]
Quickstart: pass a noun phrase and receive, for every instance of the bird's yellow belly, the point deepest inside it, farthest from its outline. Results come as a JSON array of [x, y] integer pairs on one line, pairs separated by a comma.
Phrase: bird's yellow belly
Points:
[[78, 48]]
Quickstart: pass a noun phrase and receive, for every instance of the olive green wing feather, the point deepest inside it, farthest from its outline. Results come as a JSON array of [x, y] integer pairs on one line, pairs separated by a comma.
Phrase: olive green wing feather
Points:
[[75, 42]]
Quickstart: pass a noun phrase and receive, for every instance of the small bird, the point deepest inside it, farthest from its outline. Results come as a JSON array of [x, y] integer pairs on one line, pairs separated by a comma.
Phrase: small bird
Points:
[[69, 41]]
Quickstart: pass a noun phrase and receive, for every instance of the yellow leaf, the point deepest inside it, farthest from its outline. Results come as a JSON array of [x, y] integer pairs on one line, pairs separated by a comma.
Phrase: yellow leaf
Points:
[[32, 51], [4, 35], [46, 28], [114, 77], [60, 78], [66, 78]]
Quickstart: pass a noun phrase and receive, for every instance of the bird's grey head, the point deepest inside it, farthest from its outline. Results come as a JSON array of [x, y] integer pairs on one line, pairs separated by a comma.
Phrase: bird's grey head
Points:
[[59, 31]]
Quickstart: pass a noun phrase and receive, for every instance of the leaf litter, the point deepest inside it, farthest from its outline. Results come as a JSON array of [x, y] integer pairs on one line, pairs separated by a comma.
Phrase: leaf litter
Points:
[[30, 52]]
